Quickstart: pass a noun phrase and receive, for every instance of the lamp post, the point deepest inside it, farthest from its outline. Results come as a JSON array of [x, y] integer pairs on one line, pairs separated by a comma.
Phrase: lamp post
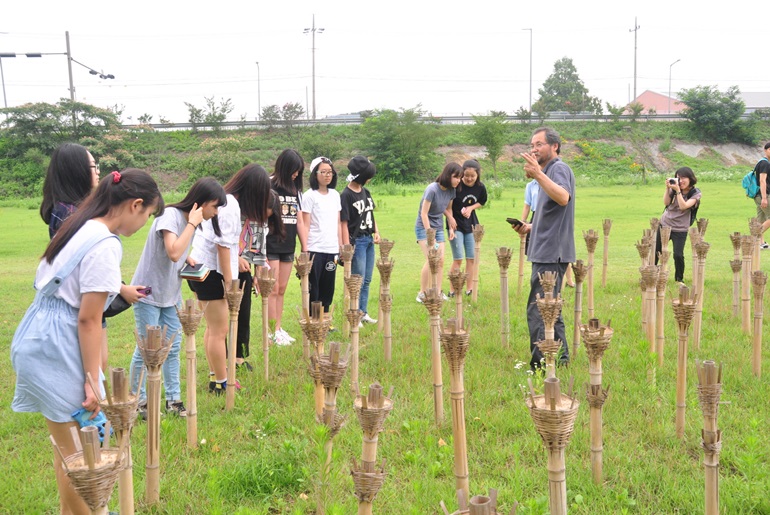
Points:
[[259, 96], [635, 30], [530, 70], [312, 31], [669, 84]]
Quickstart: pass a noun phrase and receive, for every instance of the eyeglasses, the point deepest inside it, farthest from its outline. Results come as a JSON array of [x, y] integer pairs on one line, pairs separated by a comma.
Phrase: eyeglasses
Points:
[[325, 172], [94, 166], [539, 145]]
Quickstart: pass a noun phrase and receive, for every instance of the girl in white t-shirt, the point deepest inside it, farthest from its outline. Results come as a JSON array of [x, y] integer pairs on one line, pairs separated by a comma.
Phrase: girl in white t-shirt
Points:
[[58, 342], [321, 208]]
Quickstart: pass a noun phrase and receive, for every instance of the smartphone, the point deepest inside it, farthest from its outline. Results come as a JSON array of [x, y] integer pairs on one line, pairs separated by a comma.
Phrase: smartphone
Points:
[[145, 291], [513, 221], [190, 268]]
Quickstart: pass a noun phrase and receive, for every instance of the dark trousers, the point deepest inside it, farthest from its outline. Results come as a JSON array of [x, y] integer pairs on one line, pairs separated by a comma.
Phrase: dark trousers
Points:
[[678, 239], [244, 317], [321, 278], [535, 321]]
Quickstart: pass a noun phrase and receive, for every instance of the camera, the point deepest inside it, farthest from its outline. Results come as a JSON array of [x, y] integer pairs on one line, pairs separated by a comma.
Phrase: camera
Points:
[[673, 180]]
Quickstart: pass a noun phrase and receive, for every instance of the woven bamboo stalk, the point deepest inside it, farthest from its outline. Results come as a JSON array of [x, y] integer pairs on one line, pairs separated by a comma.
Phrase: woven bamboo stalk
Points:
[[758, 281], [554, 416], [371, 410], [266, 283], [315, 325], [522, 258], [233, 296], [433, 256], [735, 239], [353, 316], [695, 238], [702, 224], [747, 247], [735, 265], [643, 248], [709, 392], [606, 226], [665, 236], [432, 303], [549, 307], [684, 310], [654, 225], [591, 238], [154, 348], [476, 505], [596, 339], [755, 229], [457, 280], [385, 267], [478, 235], [454, 342], [660, 301], [503, 261], [346, 253], [190, 318], [579, 272], [302, 264], [701, 249], [649, 284]]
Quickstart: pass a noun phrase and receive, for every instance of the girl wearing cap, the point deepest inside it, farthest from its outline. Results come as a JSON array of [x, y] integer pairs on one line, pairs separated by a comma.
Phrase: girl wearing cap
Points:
[[321, 213], [359, 227]]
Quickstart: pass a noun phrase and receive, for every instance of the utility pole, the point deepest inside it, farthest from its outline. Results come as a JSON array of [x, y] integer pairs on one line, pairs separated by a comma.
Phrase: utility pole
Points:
[[259, 96], [312, 31], [634, 30], [669, 84], [69, 66], [530, 70]]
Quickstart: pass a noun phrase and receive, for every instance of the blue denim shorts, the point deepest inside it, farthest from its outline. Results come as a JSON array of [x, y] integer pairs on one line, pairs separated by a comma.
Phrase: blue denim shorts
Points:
[[463, 243], [419, 231]]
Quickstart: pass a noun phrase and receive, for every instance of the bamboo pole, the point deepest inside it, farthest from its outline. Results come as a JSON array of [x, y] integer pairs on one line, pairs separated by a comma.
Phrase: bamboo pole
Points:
[[684, 310], [747, 247], [579, 272], [457, 279], [654, 225], [266, 283], [353, 316], [454, 342], [755, 229], [385, 266], [154, 348], [660, 300], [554, 416], [433, 257], [709, 392], [190, 318], [346, 253], [371, 410], [233, 296], [665, 236], [758, 281], [303, 263], [596, 339], [476, 505], [735, 239], [478, 235], [591, 238], [735, 265], [549, 307], [701, 250], [432, 303], [606, 226], [695, 238], [649, 282], [643, 248], [386, 303], [385, 247], [522, 255], [315, 325], [503, 261]]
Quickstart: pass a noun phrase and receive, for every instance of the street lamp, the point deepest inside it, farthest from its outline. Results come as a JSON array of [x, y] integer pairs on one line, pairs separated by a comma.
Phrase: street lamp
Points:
[[312, 31], [530, 70], [669, 84], [2, 73], [259, 96]]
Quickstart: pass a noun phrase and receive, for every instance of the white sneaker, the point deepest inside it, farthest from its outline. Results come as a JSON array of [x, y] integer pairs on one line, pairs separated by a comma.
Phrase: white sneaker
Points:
[[286, 335], [366, 319], [360, 325], [280, 340], [444, 297], [420, 297]]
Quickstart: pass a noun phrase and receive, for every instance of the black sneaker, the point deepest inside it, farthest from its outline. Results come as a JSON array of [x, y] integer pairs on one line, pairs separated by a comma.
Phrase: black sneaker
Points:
[[141, 411], [217, 388], [177, 408], [764, 246], [245, 366]]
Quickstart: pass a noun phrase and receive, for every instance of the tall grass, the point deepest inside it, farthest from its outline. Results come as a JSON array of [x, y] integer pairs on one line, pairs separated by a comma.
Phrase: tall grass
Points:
[[264, 456]]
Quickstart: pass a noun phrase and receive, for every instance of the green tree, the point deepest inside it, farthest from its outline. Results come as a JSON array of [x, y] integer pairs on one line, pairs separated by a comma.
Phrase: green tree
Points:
[[402, 144], [215, 114], [715, 115], [271, 116], [195, 115], [564, 91], [615, 111], [491, 131], [524, 114], [635, 109]]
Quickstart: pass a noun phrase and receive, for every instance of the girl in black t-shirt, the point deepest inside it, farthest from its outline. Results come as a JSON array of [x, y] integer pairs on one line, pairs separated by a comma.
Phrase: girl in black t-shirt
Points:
[[470, 195]]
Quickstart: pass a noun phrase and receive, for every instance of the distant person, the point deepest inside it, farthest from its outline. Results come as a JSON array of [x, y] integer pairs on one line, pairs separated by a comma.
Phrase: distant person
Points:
[[680, 198], [470, 195], [435, 204], [761, 170], [552, 232]]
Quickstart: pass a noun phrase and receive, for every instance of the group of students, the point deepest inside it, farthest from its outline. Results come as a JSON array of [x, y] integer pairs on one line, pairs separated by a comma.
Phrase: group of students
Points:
[[252, 221]]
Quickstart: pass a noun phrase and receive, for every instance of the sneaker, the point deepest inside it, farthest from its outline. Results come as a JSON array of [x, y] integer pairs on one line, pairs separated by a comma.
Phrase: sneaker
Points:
[[451, 294], [366, 319], [421, 297], [245, 366], [360, 325], [764, 245], [468, 292], [141, 411], [217, 388], [177, 408], [280, 339], [333, 329], [286, 335], [444, 297]]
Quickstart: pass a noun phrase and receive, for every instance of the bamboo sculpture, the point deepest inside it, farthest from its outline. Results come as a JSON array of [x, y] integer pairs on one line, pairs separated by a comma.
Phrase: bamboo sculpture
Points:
[[606, 226], [591, 238], [385, 266], [454, 342], [709, 392], [119, 406], [695, 238], [372, 410], [649, 284], [457, 280], [303, 263], [578, 272], [233, 296], [654, 225], [665, 236], [476, 505], [554, 416], [747, 247], [735, 239], [432, 303], [550, 308], [660, 300], [385, 247], [346, 253], [522, 257], [154, 348], [503, 261], [596, 339], [332, 369], [434, 260], [701, 249], [353, 316], [735, 265], [315, 326], [702, 224], [478, 235], [684, 310], [758, 280], [755, 229], [93, 469], [190, 318], [266, 283], [643, 248]]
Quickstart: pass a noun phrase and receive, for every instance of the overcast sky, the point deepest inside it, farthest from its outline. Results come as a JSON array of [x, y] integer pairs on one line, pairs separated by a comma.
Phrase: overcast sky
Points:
[[452, 57]]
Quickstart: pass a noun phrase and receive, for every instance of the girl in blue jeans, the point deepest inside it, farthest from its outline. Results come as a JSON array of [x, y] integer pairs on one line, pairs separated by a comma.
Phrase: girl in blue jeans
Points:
[[164, 255], [359, 227]]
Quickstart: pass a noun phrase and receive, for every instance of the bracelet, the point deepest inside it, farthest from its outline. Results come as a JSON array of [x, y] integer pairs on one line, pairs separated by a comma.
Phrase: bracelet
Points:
[[194, 226]]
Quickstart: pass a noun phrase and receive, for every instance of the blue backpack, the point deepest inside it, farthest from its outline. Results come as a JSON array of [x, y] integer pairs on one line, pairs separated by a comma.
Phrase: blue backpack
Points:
[[750, 181]]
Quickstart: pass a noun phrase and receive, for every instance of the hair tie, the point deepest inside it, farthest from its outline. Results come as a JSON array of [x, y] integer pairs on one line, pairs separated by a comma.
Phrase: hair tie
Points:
[[115, 177]]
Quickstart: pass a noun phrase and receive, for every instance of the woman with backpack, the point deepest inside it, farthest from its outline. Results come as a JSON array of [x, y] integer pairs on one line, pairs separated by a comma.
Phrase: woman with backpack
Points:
[[682, 200]]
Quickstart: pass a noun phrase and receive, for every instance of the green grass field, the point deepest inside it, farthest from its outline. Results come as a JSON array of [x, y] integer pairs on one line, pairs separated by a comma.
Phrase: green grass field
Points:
[[266, 455]]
